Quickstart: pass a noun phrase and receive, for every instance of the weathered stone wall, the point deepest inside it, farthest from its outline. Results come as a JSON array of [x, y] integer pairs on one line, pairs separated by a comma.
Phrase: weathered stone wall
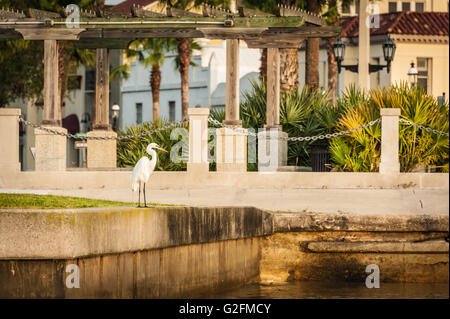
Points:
[[338, 247], [176, 272], [169, 252], [74, 233], [165, 252]]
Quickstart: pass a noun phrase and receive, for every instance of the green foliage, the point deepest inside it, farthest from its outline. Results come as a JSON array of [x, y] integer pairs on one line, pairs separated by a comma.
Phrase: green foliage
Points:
[[21, 67], [21, 72], [360, 150], [302, 113], [129, 151]]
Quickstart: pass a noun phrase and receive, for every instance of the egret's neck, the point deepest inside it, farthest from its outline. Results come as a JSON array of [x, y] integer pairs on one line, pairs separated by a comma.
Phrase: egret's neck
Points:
[[152, 153]]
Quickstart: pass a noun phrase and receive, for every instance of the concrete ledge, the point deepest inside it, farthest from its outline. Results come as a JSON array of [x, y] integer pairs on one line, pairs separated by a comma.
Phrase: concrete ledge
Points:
[[426, 247], [253, 180], [294, 222], [67, 234]]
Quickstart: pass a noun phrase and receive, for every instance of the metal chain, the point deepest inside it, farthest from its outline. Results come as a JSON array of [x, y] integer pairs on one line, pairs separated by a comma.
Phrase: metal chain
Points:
[[301, 138], [119, 137], [421, 127]]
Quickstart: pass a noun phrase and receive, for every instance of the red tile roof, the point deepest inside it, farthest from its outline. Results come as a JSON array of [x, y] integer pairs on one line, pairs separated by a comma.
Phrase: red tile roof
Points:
[[125, 7], [405, 22]]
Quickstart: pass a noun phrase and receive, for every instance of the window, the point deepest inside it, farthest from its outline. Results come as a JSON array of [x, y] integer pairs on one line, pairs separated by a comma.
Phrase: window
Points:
[[423, 79], [406, 6], [138, 113], [392, 7], [357, 6], [74, 82], [420, 7], [90, 80], [345, 7], [172, 110]]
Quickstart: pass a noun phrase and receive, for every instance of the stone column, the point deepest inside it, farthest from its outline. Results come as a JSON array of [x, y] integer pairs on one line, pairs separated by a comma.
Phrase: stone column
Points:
[[389, 141], [363, 47], [198, 141], [9, 141], [51, 148], [231, 146], [101, 153], [272, 137]]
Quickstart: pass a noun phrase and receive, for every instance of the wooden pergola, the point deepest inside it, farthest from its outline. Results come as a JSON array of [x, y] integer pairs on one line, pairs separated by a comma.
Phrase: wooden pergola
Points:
[[103, 30]]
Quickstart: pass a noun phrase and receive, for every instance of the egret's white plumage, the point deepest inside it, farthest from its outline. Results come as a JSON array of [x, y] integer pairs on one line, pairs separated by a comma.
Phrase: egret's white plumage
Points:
[[144, 168]]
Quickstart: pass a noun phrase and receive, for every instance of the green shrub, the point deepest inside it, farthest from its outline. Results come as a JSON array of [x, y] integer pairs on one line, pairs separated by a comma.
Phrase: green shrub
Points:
[[360, 150], [302, 113], [129, 151]]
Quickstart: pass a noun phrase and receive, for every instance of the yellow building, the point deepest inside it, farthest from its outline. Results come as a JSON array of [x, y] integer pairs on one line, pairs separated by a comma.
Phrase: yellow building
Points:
[[421, 38]]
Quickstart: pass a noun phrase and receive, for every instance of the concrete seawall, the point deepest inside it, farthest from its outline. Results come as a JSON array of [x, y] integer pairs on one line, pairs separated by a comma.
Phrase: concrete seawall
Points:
[[170, 252], [163, 252]]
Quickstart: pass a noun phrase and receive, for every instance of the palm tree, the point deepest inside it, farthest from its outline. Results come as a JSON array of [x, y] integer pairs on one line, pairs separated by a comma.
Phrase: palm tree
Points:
[[288, 57], [184, 53], [151, 52], [312, 49]]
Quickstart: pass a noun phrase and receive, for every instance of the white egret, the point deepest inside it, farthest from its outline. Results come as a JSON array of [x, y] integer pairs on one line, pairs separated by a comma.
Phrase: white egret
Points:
[[143, 169]]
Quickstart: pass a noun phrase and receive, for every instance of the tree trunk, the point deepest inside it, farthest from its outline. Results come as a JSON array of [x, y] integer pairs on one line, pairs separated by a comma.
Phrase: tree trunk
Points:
[[288, 59], [155, 84], [263, 66], [289, 69], [184, 55], [312, 52], [332, 70]]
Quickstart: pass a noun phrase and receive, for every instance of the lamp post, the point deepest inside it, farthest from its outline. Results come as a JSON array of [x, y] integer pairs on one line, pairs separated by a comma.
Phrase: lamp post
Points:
[[412, 75], [389, 48], [115, 115]]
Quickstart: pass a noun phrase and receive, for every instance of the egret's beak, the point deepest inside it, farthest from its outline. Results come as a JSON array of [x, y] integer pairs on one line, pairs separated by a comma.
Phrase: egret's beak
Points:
[[160, 148]]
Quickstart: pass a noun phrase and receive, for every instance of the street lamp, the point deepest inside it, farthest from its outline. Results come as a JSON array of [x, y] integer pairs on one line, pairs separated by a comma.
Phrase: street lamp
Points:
[[115, 115], [388, 52], [412, 74]]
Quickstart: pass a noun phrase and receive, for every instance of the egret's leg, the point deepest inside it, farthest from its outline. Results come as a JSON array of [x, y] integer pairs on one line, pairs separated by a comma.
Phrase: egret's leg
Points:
[[145, 200], [139, 196]]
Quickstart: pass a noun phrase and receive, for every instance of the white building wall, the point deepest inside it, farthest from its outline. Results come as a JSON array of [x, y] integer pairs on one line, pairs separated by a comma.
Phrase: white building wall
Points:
[[206, 81]]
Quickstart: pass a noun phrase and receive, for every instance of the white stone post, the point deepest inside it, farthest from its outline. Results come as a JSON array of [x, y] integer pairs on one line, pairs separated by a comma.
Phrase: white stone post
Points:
[[198, 141], [231, 150], [231, 145], [9, 140], [389, 141]]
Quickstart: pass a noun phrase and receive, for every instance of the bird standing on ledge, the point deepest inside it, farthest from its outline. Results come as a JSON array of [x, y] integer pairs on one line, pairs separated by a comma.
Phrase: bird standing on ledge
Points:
[[143, 169]]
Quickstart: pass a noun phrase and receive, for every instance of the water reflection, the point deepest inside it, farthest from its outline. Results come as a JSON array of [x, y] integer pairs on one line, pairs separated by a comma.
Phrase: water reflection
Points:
[[311, 289]]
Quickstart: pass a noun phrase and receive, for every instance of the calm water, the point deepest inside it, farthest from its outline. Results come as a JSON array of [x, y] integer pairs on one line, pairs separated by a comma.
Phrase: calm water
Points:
[[300, 290]]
